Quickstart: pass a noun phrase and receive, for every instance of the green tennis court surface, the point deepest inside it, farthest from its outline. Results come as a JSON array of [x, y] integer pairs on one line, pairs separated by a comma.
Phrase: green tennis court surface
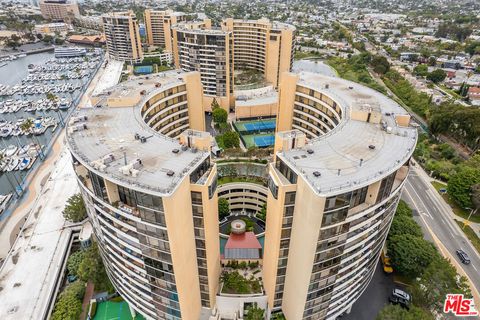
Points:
[[259, 140], [256, 125], [114, 311]]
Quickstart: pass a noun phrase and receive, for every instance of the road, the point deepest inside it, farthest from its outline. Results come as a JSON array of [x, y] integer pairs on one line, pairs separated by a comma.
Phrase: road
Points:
[[374, 298], [436, 217]]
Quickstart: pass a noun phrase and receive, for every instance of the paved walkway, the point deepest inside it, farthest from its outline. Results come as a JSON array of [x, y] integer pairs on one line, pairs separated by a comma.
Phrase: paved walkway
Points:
[[10, 227], [86, 299]]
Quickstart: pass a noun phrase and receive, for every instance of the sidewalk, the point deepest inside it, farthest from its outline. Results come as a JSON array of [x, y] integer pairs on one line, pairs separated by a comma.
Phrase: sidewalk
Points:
[[86, 299]]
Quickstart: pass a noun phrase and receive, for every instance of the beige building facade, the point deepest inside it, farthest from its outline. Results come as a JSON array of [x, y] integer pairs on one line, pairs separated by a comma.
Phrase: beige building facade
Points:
[[59, 10], [158, 25], [262, 45], [341, 158], [198, 47], [123, 36]]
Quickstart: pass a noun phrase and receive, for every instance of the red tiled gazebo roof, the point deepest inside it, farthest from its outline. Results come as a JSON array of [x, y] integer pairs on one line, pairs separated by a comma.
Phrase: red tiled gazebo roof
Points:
[[246, 240]]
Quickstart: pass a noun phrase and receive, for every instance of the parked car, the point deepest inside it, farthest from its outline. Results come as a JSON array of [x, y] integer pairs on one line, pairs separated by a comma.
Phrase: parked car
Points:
[[463, 256], [401, 298]]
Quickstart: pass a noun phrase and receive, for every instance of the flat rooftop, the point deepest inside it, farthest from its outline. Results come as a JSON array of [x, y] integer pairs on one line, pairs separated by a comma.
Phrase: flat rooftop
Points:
[[111, 131], [342, 156], [28, 277]]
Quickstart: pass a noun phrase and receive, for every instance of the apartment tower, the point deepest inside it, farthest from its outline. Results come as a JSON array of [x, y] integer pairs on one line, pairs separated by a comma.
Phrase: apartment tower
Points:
[[142, 157], [198, 47], [152, 198], [123, 36], [342, 156], [262, 45], [59, 10], [158, 24]]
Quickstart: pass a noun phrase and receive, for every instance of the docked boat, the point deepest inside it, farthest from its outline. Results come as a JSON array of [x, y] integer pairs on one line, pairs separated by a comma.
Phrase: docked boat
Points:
[[24, 163], [4, 201], [13, 164], [10, 151]]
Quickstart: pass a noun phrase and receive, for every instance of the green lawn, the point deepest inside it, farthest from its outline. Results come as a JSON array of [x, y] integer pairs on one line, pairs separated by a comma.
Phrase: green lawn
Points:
[[459, 211], [114, 311], [471, 235]]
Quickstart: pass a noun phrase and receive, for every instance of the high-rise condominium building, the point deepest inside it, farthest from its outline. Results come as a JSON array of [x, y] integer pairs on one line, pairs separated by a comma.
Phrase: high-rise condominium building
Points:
[[197, 47], [331, 200], [152, 201], [341, 159], [65, 10], [123, 36], [158, 25], [262, 45]]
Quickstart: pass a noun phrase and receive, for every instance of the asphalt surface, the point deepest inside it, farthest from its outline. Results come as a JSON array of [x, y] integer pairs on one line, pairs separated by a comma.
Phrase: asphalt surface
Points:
[[374, 298], [435, 216]]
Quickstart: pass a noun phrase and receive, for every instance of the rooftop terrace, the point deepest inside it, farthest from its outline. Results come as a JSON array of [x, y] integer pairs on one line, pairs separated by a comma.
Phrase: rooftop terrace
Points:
[[355, 153], [109, 147]]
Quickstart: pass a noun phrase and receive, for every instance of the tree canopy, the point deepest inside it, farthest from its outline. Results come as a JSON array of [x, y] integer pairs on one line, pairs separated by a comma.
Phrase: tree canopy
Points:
[[231, 139], [73, 262], [223, 208], [380, 64], [75, 209], [405, 225], [437, 76], [410, 254], [395, 312], [436, 281], [421, 70], [255, 313], [69, 303], [91, 268], [219, 115], [460, 184]]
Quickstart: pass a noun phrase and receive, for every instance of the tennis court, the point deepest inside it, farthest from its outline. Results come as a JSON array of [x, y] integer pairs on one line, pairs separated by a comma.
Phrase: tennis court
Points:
[[143, 69], [260, 141], [110, 310], [256, 125], [264, 141]]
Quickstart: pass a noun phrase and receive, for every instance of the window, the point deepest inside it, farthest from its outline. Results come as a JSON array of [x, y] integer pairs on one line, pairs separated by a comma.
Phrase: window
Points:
[[286, 171], [273, 187], [386, 187]]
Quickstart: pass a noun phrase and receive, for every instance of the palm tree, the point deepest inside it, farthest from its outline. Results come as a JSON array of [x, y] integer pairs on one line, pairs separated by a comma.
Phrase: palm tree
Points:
[[27, 125]]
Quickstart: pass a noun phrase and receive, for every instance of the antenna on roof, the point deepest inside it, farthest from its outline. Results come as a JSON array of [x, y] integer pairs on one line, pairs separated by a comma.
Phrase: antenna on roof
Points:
[[124, 157]]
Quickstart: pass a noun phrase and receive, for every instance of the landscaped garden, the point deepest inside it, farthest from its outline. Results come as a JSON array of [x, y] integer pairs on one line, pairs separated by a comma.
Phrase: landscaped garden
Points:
[[235, 283]]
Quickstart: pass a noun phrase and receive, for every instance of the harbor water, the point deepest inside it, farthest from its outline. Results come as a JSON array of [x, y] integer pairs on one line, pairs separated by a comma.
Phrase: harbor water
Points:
[[11, 75], [16, 70]]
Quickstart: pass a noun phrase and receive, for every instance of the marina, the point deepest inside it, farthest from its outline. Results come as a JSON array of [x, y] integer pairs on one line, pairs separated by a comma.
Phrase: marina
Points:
[[33, 107]]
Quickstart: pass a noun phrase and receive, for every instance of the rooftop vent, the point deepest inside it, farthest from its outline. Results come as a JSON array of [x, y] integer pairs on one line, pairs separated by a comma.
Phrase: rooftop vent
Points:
[[143, 92], [309, 151], [184, 148], [158, 85], [170, 173], [131, 169], [387, 114], [327, 86], [137, 136], [316, 174], [175, 151], [108, 158], [371, 147], [351, 87]]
